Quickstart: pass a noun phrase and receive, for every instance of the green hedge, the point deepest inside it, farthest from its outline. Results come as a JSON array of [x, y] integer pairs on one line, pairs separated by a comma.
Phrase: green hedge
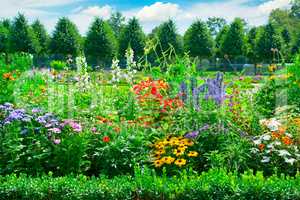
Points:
[[214, 184]]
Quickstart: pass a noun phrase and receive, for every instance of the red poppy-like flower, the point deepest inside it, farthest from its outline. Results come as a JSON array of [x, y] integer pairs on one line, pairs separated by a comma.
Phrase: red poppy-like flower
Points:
[[106, 139], [154, 90]]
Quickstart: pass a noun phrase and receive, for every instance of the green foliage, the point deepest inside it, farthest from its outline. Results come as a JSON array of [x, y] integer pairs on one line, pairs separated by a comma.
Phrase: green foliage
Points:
[[22, 37], [100, 43], [42, 36], [4, 39], [215, 25], [65, 39], [168, 37], [233, 43], [117, 23], [198, 41], [215, 184], [132, 36], [269, 38], [58, 65]]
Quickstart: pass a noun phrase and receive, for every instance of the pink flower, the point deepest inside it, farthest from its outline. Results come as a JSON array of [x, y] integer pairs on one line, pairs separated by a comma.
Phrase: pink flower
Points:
[[56, 141], [94, 129], [55, 130]]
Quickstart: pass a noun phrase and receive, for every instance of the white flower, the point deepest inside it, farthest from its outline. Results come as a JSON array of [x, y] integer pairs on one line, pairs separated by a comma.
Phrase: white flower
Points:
[[266, 137], [283, 153], [254, 150], [277, 143], [265, 159], [290, 160], [273, 124], [257, 142]]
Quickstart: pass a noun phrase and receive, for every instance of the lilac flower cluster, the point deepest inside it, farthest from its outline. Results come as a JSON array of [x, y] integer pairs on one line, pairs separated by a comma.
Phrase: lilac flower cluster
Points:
[[74, 125], [14, 114]]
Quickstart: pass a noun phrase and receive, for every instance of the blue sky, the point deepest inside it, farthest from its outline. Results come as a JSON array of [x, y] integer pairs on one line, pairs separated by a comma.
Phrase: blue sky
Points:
[[149, 12]]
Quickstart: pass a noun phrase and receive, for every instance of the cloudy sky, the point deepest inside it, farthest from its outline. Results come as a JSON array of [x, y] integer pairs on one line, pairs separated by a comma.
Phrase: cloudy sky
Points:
[[149, 12]]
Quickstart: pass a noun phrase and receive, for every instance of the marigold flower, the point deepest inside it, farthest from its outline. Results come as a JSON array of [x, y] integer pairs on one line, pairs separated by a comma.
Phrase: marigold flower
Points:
[[106, 139], [193, 154], [180, 162]]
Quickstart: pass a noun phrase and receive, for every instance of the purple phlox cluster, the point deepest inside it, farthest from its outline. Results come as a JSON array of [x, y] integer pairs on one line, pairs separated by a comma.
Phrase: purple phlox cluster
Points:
[[7, 107], [194, 134], [74, 125]]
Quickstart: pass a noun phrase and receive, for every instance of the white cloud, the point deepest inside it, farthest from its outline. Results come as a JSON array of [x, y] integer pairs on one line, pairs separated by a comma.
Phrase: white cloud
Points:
[[84, 17], [274, 4], [158, 12]]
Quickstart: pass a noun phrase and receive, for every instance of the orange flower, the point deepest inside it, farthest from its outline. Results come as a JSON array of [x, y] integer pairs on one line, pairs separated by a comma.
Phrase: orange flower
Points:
[[261, 147], [281, 130], [275, 135], [287, 140], [8, 76]]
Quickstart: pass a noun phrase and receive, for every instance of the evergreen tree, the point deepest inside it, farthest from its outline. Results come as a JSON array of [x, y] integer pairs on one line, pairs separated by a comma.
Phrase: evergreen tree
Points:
[[233, 43], [198, 40], [167, 36], [134, 37], [42, 36], [22, 37], [219, 40], [66, 39], [215, 25], [252, 40], [117, 23], [4, 39], [100, 44], [268, 40]]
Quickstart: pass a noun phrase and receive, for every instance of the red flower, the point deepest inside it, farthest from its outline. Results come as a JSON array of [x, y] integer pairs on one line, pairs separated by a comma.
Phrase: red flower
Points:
[[154, 90], [105, 139]]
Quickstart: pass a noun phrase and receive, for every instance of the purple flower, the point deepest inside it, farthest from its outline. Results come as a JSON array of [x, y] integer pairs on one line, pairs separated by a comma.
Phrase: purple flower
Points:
[[35, 110], [94, 129], [183, 91], [194, 134]]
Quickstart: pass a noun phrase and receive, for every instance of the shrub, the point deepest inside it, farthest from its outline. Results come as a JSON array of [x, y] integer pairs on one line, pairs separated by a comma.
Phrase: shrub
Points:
[[215, 184]]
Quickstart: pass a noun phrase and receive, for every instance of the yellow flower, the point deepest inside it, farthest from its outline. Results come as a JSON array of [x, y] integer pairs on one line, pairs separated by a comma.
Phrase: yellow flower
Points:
[[160, 152], [193, 154], [182, 147], [180, 162], [188, 142], [174, 142], [168, 160], [178, 152], [159, 145], [158, 163]]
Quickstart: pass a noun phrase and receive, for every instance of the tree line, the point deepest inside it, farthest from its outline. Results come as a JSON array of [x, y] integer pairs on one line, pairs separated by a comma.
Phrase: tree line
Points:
[[106, 39]]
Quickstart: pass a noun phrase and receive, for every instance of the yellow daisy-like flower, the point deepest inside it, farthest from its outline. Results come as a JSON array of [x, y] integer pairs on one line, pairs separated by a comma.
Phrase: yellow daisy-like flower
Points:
[[174, 142], [168, 160], [159, 145], [180, 162], [160, 152], [182, 147], [193, 154], [188, 142], [158, 163], [178, 152]]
